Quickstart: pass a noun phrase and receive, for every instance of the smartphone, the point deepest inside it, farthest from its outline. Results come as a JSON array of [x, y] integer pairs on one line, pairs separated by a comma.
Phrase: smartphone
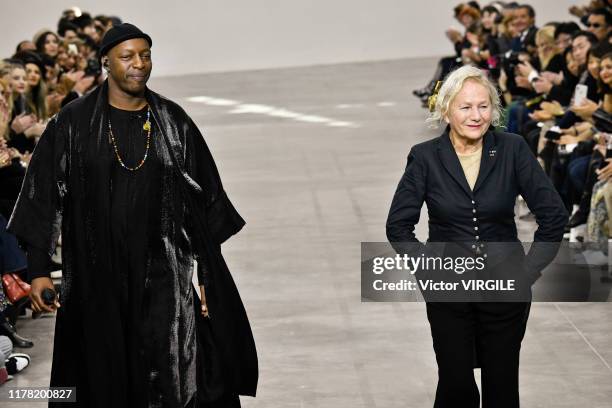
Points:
[[580, 94], [554, 133], [93, 68]]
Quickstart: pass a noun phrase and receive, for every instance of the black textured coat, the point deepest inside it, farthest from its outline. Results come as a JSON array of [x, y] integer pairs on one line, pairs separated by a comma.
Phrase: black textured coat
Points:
[[192, 360]]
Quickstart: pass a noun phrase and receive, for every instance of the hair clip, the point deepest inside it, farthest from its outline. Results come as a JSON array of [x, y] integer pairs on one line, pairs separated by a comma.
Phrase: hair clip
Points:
[[431, 101]]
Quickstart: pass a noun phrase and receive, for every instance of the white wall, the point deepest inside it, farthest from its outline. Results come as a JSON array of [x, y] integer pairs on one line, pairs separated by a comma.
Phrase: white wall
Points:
[[222, 35]]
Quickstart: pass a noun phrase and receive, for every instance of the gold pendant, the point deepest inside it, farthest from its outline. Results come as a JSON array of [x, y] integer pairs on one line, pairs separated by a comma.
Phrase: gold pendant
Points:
[[147, 126]]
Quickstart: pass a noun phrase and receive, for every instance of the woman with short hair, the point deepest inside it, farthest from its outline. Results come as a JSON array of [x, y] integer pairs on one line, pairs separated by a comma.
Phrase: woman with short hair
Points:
[[470, 177]]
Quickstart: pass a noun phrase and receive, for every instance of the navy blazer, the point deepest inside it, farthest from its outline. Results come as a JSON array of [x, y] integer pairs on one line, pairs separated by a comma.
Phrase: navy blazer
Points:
[[508, 168]]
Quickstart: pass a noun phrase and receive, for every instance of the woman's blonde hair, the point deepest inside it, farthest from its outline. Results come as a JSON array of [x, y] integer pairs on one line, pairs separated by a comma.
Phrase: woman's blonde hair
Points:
[[5, 88], [452, 86], [546, 34]]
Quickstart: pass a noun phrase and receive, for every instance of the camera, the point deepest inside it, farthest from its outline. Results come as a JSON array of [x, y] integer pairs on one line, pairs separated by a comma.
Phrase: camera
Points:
[[93, 68], [554, 133], [509, 61]]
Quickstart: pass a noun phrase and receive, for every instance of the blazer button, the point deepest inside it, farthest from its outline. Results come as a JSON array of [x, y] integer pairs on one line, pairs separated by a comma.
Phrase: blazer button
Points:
[[474, 210], [473, 202], [475, 220], [473, 246], [477, 237], [484, 255], [475, 228]]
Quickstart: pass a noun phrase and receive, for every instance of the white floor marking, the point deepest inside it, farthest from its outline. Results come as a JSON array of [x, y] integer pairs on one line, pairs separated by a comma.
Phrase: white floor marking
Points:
[[212, 101], [349, 105], [339, 123], [386, 104], [603, 360], [313, 119], [283, 113], [252, 108], [273, 111]]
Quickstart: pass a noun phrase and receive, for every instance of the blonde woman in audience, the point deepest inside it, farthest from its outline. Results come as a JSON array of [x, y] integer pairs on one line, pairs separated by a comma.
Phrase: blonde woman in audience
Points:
[[25, 127], [6, 106], [598, 224]]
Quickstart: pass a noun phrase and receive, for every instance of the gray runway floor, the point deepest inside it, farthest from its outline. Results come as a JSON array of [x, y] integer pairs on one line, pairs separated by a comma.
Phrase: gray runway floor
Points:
[[311, 157]]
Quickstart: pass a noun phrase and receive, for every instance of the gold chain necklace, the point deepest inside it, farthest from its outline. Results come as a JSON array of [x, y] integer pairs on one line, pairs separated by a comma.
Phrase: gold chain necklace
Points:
[[147, 128]]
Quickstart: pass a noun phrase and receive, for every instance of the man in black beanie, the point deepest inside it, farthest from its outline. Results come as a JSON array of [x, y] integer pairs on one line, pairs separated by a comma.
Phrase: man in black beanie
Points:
[[126, 178]]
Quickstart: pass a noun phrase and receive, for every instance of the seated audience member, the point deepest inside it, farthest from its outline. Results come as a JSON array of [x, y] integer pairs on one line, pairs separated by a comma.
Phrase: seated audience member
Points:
[[582, 41], [599, 22], [497, 40], [600, 127], [12, 169], [25, 45], [47, 42], [563, 34], [547, 62], [67, 30], [466, 14], [524, 23], [36, 93], [23, 128]]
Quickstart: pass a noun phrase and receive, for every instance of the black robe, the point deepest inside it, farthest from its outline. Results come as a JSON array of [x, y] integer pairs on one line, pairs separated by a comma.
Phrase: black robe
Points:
[[189, 360]]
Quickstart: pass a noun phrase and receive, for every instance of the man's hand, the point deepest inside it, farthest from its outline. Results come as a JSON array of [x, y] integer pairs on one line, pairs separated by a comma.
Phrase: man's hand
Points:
[[203, 301], [37, 287]]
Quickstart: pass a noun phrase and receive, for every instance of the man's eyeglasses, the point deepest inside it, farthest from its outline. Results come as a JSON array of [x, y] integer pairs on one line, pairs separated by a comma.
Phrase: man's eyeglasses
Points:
[[594, 25]]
